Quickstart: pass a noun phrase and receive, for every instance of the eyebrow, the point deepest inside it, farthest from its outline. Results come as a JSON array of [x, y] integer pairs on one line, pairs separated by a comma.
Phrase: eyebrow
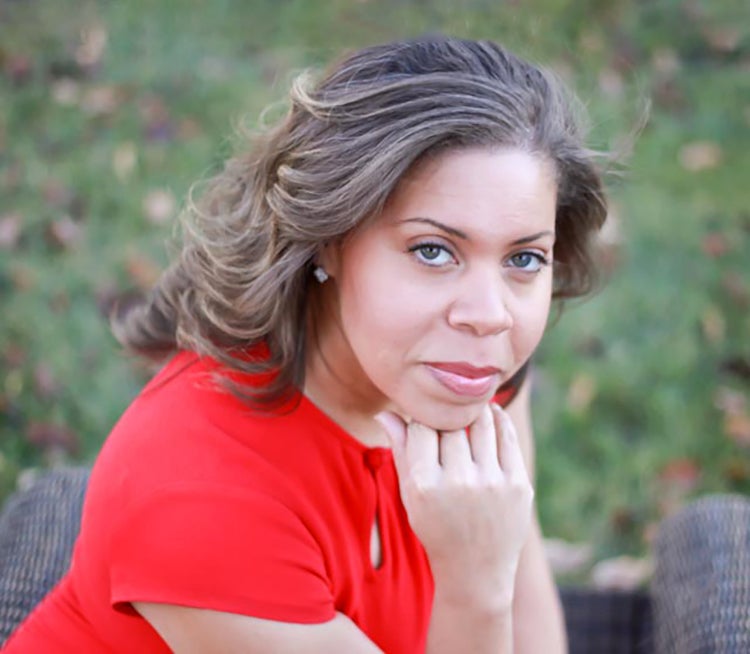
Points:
[[463, 235], [435, 223], [533, 237]]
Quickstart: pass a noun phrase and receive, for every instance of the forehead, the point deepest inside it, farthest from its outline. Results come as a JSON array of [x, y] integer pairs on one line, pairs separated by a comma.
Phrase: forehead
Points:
[[479, 164], [476, 184]]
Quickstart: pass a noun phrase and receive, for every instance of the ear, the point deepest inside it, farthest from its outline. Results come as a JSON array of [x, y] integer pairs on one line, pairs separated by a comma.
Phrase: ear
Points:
[[329, 257]]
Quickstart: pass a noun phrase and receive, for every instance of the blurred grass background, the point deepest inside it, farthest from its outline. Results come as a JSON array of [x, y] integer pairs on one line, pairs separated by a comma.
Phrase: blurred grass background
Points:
[[109, 111]]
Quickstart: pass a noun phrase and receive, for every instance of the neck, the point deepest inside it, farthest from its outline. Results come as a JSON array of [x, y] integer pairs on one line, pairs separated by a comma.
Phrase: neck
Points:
[[336, 383]]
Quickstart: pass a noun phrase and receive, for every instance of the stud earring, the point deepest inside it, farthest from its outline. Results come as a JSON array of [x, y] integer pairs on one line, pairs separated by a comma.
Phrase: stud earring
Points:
[[320, 274]]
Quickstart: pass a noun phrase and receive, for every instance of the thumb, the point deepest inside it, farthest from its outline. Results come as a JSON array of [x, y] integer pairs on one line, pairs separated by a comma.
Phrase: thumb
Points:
[[395, 429]]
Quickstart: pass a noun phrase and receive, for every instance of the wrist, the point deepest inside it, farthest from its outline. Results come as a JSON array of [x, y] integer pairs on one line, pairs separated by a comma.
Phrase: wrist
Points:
[[491, 602], [481, 624], [491, 588]]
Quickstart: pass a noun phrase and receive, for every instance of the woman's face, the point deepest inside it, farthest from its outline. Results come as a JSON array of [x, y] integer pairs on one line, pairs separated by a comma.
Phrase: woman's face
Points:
[[442, 297]]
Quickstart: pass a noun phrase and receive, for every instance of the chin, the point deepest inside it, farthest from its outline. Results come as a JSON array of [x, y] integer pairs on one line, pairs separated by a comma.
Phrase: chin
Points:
[[445, 417]]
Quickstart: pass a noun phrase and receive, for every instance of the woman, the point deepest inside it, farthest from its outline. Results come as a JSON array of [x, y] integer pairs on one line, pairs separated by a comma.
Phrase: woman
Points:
[[322, 464]]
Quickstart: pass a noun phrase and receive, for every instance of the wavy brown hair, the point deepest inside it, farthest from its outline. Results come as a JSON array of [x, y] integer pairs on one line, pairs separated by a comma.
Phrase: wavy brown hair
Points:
[[243, 274]]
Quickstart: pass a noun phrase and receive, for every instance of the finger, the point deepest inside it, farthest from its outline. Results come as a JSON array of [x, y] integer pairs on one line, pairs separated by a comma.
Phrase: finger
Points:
[[455, 452], [483, 440], [395, 429], [509, 448], [421, 447]]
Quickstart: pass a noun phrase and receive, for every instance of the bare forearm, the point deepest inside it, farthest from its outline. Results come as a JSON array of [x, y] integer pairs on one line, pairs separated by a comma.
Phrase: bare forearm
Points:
[[459, 628], [538, 623]]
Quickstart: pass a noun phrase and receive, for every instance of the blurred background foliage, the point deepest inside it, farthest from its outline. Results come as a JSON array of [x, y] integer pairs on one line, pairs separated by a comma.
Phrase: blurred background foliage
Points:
[[109, 111]]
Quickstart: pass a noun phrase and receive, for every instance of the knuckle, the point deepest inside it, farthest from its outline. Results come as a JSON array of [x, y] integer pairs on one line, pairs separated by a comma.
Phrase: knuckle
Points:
[[491, 484], [422, 484], [461, 482]]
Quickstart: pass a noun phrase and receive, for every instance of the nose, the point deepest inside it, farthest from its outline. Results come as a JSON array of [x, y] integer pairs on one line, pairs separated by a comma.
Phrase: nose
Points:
[[481, 305]]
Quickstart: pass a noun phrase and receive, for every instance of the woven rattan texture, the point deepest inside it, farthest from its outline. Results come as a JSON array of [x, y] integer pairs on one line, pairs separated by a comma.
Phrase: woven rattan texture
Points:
[[701, 585], [607, 622], [38, 526]]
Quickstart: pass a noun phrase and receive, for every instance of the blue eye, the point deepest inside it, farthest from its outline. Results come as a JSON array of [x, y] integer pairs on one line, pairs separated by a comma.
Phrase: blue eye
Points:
[[528, 261], [432, 254]]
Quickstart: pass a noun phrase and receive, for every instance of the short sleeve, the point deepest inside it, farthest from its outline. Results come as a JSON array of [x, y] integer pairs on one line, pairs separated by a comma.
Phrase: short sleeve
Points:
[[239, 551]]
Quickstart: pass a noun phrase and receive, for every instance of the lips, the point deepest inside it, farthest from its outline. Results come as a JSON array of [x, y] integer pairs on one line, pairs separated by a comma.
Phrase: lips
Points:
[[465, 379], [466, 369]]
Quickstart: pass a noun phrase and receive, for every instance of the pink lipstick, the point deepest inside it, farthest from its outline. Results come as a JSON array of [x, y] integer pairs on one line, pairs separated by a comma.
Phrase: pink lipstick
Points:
[[464, 378]]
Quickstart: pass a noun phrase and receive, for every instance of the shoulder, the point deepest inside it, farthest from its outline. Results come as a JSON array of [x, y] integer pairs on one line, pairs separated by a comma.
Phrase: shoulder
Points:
[[185, 428]]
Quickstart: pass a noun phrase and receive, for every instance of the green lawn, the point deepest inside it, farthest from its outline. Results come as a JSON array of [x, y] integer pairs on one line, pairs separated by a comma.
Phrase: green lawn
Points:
[[109, 112]]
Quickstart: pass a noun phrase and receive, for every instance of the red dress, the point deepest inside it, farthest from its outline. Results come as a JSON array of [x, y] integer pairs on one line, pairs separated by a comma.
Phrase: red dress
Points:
[[195, 500]]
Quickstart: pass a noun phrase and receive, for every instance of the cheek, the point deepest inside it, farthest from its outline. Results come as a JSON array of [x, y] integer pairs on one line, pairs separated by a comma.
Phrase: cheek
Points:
[[384, 313], [530, 321]]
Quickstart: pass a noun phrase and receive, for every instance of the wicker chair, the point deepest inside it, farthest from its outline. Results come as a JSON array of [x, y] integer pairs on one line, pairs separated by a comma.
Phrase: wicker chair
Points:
[[700, 594], [701, 585], [38, 526]]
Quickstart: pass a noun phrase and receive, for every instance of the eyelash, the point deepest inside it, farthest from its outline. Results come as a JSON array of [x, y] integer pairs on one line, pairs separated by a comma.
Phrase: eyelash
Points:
[[540, 258], [420, 247]]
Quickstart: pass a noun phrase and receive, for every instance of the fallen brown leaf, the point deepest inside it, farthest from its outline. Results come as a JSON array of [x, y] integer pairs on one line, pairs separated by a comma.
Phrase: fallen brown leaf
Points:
[[56, 193], [18, 68], [715, 245], [591, 41], [737, 427], [93, 43], [700, 155], [23, 276], [13, 385], [60, 302], [124, 160], [676, 480], [611, 83], [713, 325], [681, 474], [729, 401], [13, 355], [64, 233], [10, 230], [66, 92], [51, 436], [46, 384], [13, 176], [665, 62], [159, 206], [737, 287], [723, 38], [157, 120], [101, 100], [188, 128], [737, 470], [669, 94], [143, 272], [581, 392]]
